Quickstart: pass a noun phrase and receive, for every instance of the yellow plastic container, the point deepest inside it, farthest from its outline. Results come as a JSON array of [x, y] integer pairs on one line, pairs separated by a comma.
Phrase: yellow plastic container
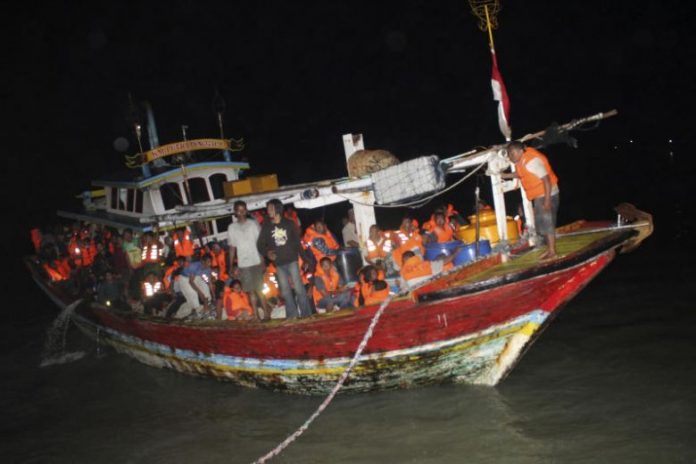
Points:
[[264, 183], [236, 188], [487, 231]]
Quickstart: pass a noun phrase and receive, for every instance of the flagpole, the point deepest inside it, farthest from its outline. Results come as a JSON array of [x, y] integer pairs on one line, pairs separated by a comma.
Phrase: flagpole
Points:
[[490, 29]]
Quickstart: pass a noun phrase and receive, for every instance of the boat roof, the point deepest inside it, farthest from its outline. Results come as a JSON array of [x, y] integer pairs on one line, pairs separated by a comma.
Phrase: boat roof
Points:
[[107, 219], [135, 179]]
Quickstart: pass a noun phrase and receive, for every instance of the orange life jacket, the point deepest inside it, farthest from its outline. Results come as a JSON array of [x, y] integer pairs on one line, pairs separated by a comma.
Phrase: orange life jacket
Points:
[[533, 186], [219, 261], [151, 253], [379, 249], [416, 267], [36, 239], [373, 297], [292, 215], [149, 289], [270, 282], [183, 246], [167, 280], [411, 242], [331, 283], [54, 272], [236, 303], [311, 234], [82, 256], [444, 233]]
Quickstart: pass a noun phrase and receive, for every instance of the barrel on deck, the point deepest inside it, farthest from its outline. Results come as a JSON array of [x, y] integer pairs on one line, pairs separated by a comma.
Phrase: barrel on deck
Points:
[[467, 253], [436, 250], [348, 262]]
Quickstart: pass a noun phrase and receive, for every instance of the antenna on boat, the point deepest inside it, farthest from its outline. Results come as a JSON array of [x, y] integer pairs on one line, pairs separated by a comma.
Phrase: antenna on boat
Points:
[[219, 108], [134, 116]]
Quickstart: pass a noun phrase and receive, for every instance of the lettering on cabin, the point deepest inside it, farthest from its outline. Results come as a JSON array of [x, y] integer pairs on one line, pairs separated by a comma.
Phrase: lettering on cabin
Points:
[[188, 145]]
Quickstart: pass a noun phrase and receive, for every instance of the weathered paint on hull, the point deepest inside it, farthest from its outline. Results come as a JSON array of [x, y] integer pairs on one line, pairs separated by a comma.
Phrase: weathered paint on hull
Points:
[[473, 358]]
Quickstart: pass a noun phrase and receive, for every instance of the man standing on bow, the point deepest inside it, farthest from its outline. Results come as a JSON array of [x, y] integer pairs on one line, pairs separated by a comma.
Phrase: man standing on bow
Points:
[[279, 240], [540, 185]]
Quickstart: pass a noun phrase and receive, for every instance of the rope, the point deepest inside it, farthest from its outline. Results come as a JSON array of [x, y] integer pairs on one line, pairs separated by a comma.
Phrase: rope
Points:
[[368, 334], [421, 201]]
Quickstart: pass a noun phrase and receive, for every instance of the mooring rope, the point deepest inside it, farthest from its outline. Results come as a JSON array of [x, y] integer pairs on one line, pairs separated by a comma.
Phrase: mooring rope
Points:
[[295, 435]]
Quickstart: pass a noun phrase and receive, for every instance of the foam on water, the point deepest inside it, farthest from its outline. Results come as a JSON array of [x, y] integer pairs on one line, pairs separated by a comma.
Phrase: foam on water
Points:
[[54, 346]]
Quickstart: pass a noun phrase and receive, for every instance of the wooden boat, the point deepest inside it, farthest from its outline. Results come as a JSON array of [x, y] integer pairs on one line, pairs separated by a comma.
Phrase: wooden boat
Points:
[[469, 325]]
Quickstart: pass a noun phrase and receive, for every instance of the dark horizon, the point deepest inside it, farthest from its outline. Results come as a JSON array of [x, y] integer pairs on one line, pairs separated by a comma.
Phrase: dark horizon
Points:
[[413, 78]]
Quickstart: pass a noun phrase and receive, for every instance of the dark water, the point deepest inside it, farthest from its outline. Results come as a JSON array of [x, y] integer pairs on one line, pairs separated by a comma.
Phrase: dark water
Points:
[[611, 380]]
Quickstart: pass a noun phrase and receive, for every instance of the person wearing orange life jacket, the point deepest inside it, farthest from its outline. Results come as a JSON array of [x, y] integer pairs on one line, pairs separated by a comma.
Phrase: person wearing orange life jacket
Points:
[[36, 239], [236, 304], [151, 250], [379, 245], [291, 213], [441, 229], [321, 241], [409, 239], [82, 252], [183, 244], [371, 288], [329, 290], [152, 294], [167, 280], [270, 282], [415, 270], [218, 261], [540, 184]]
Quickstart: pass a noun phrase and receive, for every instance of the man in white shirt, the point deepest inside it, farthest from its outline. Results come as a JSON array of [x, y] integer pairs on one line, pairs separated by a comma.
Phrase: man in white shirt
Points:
[[241, 240], [350, 231]]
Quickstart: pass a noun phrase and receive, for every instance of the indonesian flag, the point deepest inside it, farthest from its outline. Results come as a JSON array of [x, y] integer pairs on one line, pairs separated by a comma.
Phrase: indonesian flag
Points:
[[501, 96]]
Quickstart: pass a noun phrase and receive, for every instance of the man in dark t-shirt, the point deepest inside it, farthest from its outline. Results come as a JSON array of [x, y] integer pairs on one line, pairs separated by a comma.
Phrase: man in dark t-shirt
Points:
[[279, 241]]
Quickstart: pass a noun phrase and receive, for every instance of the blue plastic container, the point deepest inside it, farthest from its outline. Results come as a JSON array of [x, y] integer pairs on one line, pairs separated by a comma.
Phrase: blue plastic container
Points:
[[436, 250], [467, 253]]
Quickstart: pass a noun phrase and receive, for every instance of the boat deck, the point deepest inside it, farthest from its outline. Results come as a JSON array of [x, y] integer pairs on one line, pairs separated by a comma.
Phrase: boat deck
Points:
[[573, 246]]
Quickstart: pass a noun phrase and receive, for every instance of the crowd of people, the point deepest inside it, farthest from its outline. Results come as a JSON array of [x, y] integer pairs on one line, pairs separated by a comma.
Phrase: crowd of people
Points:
[[264, 261]]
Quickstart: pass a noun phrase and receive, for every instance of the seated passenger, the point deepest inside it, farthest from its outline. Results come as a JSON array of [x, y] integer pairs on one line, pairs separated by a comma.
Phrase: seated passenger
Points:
[[415, 270], [372, 288], [153, 295], [110, 291], [329, 290], [236, 304]]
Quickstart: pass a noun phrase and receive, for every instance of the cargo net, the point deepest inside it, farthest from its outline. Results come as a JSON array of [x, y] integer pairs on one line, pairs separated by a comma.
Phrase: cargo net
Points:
[[408, 180]]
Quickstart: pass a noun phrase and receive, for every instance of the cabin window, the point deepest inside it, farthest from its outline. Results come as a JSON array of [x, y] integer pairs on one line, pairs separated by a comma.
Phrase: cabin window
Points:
[[198, 190], [138, 201], [114, 197], [131, 200], [122, 194], [217, 185], [171, 195], [223, 223]]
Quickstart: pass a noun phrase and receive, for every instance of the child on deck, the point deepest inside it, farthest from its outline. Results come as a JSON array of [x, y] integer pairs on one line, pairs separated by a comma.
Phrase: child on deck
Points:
[[236, 304]]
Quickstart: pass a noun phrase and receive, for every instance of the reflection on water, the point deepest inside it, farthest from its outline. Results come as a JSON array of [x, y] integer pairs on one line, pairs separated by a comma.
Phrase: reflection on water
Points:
[[611, 380]]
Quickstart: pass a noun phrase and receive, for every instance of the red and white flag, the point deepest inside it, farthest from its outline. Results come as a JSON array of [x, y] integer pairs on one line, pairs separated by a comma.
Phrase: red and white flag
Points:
[[501, 96]]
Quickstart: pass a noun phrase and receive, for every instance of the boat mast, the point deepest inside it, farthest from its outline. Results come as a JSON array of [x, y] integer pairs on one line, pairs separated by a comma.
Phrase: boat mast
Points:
[[364, 214]]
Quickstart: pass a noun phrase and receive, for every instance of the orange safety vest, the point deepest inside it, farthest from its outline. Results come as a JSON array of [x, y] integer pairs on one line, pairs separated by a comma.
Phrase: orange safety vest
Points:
[[167, 280], [270, 282], [331, 283], [150, 289], [411, 242], [311, 234], [55, 273], [219, 261], [184, 246], [82, 256], [379, 249], [236, 303], [292, 215], [443, 234], [36, 239], [372, 296], [151, 253], [533, 186], [415, 267]]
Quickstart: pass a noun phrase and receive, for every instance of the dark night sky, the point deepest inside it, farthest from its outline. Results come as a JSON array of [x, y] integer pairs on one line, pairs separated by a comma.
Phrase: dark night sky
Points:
[[414, 77]]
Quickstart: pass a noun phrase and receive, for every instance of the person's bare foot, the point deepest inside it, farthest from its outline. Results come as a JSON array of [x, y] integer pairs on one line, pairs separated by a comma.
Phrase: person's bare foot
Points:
[[547, 256]]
